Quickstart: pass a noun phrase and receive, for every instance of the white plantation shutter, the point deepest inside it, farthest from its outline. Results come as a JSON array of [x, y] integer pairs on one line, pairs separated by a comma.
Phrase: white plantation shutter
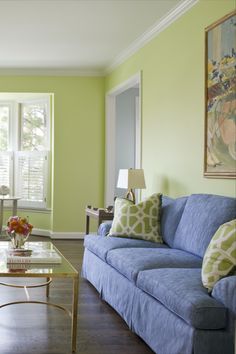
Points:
[[31, 167], [6, 161], [24, 149]]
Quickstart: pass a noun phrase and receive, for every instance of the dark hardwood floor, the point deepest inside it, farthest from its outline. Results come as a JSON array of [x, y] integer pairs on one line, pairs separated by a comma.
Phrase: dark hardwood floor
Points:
[[39, 329]]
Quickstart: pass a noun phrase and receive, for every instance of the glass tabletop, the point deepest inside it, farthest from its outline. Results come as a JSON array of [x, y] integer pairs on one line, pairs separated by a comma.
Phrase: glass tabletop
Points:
[[63, 269]]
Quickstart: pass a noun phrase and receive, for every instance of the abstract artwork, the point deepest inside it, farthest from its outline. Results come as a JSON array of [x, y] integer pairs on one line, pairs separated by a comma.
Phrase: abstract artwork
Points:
[[220, 98]]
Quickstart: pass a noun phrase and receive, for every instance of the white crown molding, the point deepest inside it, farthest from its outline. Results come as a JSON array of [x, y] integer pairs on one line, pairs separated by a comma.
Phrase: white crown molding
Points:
[[49, 72], [151, 33], [140, 42]]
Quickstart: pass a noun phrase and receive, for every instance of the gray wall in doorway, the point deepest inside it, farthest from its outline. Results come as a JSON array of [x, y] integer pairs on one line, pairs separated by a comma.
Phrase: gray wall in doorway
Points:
[[125, 132]]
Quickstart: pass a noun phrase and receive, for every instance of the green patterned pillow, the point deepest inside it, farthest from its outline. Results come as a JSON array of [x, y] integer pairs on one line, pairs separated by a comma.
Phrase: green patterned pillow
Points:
[[220, 257], [141, 221]]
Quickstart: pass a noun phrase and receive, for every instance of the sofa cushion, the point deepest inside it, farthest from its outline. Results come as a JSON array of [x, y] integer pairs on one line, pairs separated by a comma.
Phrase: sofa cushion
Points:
[[220, 257], [131, 261], [171, 212], [100, 245], [141, 221], [202, 216], [182, 292]]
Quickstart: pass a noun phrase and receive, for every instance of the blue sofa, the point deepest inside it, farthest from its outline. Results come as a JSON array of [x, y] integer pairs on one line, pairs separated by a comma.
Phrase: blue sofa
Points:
[[157, 288]]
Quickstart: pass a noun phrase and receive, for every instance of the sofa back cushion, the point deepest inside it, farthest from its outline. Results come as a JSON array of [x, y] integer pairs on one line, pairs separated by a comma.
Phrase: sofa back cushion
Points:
[[171, 212], [203, 214]]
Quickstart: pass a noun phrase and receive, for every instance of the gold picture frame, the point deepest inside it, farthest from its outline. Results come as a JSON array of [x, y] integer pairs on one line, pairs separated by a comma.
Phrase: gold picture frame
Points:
[[220, 98]]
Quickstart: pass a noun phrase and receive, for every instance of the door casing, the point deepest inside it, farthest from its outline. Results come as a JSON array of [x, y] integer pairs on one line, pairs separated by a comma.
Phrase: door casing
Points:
[[110, 143]]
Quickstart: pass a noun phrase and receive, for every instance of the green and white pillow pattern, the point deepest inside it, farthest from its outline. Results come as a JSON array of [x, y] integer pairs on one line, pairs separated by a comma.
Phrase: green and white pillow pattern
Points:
[[220, 257], [141, 221]]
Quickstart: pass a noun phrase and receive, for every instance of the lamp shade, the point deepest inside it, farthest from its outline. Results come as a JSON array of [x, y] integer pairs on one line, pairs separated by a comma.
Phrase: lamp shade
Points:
[[131, 179]]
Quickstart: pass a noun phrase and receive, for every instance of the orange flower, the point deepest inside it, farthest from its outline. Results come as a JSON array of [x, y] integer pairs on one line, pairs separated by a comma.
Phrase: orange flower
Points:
[[19, 225]]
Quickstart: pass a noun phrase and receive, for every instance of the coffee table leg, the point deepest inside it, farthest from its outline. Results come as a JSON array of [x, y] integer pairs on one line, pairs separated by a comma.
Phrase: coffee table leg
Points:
[[74, 313]]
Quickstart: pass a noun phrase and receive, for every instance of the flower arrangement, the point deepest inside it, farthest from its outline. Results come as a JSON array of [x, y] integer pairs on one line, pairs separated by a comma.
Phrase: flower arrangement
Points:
[[19, 225], [18, 229]]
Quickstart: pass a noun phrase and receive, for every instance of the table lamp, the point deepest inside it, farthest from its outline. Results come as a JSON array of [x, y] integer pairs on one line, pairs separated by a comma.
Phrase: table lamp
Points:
[[131, 179]]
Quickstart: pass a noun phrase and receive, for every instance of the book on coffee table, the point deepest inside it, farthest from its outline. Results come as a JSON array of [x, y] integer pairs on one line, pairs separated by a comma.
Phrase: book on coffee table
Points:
[[36, 257]]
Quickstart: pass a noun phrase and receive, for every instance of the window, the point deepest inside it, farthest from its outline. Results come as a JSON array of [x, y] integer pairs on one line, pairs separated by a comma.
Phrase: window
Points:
[[24, 150], [5, 153]]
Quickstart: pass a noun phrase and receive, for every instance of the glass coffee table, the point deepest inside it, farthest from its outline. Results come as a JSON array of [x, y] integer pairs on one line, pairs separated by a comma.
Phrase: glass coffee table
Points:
[[46, 270]]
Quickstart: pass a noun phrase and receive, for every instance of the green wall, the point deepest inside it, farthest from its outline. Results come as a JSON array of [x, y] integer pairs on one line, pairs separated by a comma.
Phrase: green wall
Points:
[[172, 67], [78, 147]]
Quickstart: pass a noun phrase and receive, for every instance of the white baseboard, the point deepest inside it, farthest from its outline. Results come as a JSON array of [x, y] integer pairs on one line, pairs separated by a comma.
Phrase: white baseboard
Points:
[[59, 235], [42, 232], [67, 235]]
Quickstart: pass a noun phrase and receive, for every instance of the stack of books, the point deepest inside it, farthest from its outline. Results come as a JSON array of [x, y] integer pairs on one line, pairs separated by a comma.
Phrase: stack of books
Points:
[[32, 256]]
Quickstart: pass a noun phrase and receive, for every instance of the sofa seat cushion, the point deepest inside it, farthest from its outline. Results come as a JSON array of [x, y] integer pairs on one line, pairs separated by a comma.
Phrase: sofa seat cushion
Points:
[[202, 216], [100, 245], [131, 261], [182, 292]]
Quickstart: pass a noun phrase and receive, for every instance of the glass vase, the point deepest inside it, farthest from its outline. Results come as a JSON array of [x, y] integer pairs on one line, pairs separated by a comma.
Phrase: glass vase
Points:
[[18, 240]]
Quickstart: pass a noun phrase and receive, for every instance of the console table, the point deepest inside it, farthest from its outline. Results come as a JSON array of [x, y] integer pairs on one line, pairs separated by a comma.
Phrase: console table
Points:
[[14, 201], [98, 213]]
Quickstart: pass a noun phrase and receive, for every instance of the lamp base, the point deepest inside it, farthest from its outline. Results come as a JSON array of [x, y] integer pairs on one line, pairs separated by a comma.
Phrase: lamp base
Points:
[[130, 195]]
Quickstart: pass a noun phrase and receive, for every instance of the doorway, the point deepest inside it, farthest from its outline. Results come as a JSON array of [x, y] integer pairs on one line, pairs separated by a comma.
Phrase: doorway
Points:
[[123, 133]]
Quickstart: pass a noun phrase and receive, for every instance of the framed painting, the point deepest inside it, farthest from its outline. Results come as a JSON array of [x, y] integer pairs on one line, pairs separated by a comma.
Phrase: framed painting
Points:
[[220, 98]]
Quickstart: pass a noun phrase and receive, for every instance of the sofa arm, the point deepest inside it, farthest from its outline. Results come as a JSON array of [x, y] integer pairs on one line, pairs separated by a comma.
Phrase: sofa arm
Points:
[[104, 228], [225, 292]]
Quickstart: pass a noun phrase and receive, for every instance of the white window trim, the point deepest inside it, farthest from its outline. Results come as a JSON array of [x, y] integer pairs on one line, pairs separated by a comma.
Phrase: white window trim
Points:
[[11, 106], [14, 146], [48, 109], [9, 152]]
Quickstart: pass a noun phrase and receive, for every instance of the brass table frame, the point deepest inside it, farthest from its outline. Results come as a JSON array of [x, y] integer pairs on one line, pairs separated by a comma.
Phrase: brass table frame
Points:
[[67, 271]]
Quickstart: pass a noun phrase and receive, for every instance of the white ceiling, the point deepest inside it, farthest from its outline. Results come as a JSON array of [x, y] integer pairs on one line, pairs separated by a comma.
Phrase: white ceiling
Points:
[[74, 35]]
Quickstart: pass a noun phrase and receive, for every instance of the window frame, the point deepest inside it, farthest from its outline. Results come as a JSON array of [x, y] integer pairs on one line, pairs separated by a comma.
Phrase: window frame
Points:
[[15, 129], [11, 136], [48, 110]]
